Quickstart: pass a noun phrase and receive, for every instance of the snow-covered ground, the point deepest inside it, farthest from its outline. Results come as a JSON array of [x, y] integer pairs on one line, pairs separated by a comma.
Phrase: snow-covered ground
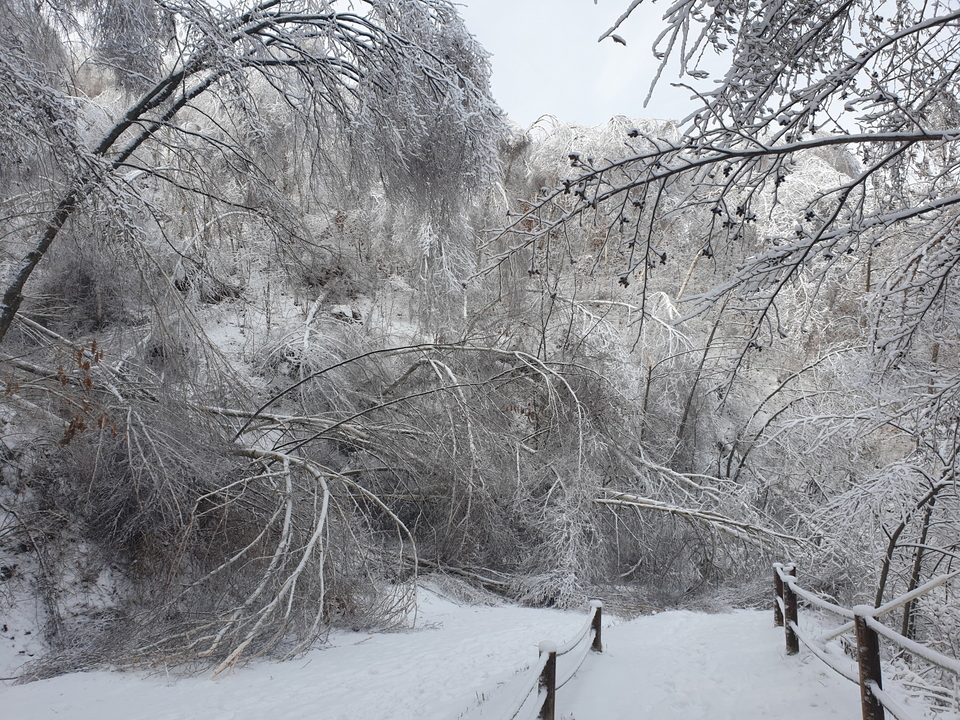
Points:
[[467, 662]]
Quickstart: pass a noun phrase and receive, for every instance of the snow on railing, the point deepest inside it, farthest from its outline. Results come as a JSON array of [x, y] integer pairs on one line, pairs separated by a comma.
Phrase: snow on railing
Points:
[[544, 675], [863, 620]]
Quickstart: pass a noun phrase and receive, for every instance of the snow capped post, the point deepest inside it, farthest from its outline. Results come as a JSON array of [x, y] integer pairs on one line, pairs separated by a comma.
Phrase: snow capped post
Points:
[[597, 606], [868, 658], [790, 611], [778, 596], [548, 680]]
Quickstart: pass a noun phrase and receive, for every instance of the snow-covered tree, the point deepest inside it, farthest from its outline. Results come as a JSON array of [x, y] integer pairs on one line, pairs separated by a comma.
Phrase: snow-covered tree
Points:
[[400, 80], [874, 96], [817, 199], [167, 165]]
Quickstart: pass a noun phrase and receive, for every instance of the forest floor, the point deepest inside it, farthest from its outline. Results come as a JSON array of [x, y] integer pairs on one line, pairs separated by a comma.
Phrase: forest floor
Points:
[[468, 661]]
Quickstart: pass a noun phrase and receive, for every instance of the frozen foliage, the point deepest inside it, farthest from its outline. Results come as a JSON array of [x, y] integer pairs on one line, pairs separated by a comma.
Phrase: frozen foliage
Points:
[[271, 370], [804, 223], [268, 392], [878, 110], [404, 73], [145, 144]]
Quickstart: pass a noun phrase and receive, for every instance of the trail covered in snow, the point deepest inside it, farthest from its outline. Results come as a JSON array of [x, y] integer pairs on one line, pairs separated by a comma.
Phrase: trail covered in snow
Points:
[[467, 662], [683, 665]]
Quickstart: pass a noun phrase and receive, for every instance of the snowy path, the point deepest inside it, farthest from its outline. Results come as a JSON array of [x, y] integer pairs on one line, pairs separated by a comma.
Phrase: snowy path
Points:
[[683, 665], [671, 666]]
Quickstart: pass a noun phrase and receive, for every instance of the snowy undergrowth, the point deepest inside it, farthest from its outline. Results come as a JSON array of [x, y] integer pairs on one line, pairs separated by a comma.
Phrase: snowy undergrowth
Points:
[[21, 623]]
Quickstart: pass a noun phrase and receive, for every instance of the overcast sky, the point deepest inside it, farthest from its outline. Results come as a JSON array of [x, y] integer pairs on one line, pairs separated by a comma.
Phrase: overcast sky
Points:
[[546, 60]]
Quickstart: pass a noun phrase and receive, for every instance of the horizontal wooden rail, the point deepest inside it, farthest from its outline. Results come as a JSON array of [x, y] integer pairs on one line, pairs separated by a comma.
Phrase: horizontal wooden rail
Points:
[[836, 664], [893, 604], [931, 656], [873, 699]]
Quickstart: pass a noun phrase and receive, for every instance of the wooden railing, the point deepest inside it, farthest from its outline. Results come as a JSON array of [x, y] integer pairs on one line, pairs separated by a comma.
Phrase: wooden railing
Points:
[[862, 620], [544, 679]]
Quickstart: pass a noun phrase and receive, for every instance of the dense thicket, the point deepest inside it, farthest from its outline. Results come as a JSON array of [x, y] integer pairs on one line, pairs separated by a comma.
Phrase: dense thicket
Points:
[[805, 222]]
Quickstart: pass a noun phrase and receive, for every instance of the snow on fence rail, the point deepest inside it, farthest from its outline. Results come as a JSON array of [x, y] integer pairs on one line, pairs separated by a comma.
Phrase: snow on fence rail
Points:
[[863, 620], [545, 679]]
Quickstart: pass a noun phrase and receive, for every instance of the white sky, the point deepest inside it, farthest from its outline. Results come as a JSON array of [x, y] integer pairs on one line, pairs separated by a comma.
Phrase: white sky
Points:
[[546, 59]]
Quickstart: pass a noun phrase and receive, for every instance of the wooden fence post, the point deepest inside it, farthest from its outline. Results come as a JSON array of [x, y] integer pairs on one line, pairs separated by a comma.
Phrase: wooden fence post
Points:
[[790, 612], [778, 596], [868, 658], [597, 606], [548, 680]]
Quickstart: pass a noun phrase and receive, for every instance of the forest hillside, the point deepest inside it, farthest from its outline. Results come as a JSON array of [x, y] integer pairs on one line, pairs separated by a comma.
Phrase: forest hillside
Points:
[[293, 315]]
